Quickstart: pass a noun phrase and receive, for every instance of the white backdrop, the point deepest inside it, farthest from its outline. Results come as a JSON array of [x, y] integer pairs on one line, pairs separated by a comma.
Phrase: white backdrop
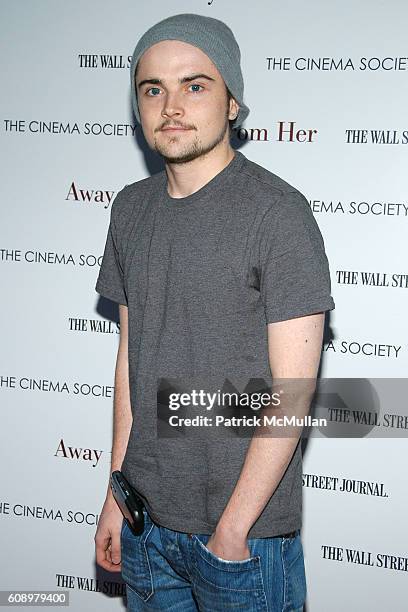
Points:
[[70, 142]]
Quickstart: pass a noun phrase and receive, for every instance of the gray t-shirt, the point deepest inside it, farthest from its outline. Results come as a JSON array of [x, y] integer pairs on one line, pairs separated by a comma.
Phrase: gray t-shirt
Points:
[[202, 276]]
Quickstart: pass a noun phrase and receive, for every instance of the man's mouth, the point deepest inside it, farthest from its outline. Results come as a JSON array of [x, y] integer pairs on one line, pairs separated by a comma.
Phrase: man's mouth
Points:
[[174, 129]]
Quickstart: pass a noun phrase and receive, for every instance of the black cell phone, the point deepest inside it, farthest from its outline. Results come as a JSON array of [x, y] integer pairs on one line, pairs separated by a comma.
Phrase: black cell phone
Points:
[[128, 501]]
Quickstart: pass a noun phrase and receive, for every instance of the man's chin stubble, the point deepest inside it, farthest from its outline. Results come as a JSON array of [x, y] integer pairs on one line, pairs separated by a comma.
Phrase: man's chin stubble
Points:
[[183, 157]]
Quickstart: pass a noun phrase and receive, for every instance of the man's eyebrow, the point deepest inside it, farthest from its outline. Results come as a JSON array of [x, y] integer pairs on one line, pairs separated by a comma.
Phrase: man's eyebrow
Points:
[[185, 79]]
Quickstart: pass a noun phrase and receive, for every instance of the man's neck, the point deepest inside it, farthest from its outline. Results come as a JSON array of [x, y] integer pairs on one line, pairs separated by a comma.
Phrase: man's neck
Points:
[[185, 179]]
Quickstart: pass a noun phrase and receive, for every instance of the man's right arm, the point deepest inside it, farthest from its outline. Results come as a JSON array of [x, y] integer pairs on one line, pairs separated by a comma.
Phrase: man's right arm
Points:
[[107, 537], [122, 413]]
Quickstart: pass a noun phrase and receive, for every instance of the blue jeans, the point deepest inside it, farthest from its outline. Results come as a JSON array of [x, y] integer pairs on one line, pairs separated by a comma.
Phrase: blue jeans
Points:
[[174, 571]]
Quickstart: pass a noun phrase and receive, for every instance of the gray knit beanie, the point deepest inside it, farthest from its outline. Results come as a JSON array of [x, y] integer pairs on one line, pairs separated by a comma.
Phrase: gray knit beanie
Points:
[[210, 35]]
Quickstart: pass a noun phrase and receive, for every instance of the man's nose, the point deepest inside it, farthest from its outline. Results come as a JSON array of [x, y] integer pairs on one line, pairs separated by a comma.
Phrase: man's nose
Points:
[[172, 105]]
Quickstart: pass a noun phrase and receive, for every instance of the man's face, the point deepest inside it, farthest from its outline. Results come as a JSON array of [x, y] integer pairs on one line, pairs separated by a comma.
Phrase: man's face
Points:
[[184, 91]]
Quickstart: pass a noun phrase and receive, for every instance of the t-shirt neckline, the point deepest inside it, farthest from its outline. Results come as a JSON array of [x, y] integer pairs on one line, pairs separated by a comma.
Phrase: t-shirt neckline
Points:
[[214, 183]]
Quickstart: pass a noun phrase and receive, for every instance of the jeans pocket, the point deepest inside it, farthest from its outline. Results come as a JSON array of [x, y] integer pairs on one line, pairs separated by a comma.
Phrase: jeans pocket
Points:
[[136, 569], [293, 573], [244, 574], [217, 560], [221, 584]]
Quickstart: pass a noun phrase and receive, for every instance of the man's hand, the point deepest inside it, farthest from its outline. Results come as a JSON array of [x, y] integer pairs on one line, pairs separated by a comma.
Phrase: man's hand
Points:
[[229, 546], [107, 537]]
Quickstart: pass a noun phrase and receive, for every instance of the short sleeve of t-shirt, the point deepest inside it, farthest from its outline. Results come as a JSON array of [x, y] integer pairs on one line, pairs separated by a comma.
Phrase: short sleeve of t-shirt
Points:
[[110, 282], [294, 270]]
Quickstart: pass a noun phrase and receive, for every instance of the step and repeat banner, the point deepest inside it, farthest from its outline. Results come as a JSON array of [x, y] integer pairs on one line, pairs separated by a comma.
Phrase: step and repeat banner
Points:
[[326, 85]]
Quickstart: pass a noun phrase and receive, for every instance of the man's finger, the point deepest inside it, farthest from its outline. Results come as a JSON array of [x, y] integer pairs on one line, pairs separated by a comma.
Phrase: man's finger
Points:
[[115, 550]]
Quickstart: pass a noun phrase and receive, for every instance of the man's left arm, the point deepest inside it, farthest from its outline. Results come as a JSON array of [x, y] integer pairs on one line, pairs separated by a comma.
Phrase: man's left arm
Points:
[[295, 347]]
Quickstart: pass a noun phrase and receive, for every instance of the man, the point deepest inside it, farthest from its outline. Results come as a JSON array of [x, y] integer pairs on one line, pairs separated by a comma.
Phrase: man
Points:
[[219, 269]]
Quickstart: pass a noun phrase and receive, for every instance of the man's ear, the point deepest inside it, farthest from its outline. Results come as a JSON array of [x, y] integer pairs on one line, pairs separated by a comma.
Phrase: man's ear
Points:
[[233, 109]]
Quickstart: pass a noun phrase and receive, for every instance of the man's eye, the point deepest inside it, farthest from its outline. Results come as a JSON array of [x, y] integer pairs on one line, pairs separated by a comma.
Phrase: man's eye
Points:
[[154, 91]]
